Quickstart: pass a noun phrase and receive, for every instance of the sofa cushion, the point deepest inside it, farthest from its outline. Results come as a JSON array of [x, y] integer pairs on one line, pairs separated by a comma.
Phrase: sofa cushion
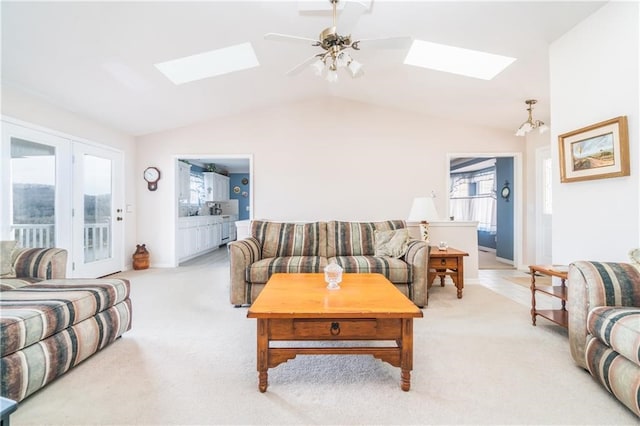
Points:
[[260, 271], [395, 270], [615, 372], [45, 263], [356, 238], [392, 243], [35, 312], [287, 239], [618, 328], [15, 283], [6, 259], [27, 370]]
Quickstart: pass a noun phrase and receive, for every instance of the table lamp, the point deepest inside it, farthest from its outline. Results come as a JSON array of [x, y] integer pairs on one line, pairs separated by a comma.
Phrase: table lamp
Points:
[[423, 210]]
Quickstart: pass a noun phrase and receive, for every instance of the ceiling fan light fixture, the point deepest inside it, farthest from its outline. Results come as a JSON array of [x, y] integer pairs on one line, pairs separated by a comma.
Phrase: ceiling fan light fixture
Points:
[[332, 75], [355, 68], [318, 67], [531, 124]]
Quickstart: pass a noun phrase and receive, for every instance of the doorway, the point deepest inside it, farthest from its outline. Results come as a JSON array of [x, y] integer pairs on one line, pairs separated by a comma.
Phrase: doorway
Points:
[[486, 188], [218, 189]]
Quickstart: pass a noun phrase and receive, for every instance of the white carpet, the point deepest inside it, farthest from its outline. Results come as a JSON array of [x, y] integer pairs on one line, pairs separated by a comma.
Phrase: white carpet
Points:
[[190, 359]]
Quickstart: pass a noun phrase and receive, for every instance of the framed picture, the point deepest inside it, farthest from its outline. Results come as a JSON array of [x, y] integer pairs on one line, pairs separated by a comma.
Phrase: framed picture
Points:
[[598, 151]]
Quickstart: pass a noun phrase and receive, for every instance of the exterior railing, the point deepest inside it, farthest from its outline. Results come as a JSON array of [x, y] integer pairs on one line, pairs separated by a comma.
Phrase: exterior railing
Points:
[[32, 235], [97, 238]]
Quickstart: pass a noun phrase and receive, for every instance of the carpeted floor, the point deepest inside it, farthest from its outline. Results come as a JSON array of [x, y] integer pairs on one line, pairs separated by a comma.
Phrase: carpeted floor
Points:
[[190, 359]]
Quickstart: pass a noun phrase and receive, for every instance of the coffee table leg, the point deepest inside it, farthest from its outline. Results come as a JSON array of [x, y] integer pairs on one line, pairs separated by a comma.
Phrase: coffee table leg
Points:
[[263, 354], [406, 357]]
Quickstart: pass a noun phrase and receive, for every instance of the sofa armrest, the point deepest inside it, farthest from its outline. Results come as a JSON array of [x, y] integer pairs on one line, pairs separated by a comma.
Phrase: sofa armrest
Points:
[[42, 263], [418, 257], [593, 284], [242, 254]]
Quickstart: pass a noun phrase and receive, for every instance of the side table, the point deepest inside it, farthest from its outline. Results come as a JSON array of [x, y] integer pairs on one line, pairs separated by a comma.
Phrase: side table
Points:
[[7, 406], [446, 262], [558, 316]]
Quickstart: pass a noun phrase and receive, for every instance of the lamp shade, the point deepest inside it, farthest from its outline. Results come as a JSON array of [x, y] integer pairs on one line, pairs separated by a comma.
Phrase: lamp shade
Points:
[[423, 209]]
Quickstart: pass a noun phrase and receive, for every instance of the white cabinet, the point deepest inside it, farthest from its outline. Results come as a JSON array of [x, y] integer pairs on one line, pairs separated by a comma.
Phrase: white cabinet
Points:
[[216, 187], [198, 235]]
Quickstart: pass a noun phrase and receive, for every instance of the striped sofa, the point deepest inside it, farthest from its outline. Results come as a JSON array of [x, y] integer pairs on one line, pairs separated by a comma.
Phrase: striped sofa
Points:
[[604, 325], [49, 324], [276, 247]]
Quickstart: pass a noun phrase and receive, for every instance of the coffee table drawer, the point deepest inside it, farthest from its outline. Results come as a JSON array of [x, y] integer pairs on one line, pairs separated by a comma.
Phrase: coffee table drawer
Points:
[[316, 329]]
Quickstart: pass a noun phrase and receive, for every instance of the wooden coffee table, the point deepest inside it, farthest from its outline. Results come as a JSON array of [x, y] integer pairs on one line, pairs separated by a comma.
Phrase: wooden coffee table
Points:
[[299, 307]]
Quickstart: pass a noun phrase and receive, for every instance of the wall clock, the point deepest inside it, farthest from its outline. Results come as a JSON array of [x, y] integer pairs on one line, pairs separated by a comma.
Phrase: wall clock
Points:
[[152, 176], [506, 191]]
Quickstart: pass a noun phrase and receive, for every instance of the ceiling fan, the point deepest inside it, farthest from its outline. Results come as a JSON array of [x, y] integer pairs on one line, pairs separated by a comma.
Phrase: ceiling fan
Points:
[[335, 46]]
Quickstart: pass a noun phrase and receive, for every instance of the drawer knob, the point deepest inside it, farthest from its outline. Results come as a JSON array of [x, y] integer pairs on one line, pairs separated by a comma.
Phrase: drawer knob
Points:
[[335, 328], [442, 261]]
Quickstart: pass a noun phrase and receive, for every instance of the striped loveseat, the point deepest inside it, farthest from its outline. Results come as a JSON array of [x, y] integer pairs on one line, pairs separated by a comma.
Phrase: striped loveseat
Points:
[[604, 325], [49, 324], [276, 247]]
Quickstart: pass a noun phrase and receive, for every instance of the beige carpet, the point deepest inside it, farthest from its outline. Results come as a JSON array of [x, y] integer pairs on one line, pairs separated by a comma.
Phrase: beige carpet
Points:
[[190, 359]]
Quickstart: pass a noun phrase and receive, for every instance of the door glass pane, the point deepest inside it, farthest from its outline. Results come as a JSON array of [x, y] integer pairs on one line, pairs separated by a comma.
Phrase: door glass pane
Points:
[[97, 208], [33, 193]]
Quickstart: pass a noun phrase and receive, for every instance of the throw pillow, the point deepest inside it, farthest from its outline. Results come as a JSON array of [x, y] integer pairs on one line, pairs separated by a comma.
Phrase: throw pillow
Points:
[[6, 259], [392, 243]]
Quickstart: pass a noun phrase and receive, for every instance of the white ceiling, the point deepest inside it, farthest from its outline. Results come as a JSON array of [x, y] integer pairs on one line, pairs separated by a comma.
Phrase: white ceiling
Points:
[[96, 58]]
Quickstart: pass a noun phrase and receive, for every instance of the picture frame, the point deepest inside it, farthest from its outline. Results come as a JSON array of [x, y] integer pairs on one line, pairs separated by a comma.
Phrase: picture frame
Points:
[[599, 151]]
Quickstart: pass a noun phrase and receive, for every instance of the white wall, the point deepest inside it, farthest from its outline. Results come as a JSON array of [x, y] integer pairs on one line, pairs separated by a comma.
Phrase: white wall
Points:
[[319, 159], [19, 105], [594, 76]]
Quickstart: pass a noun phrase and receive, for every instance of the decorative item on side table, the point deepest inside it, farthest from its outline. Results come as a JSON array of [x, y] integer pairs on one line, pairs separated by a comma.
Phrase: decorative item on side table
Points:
[[423, 210], [333, 276], [598, 151], [141, 257]]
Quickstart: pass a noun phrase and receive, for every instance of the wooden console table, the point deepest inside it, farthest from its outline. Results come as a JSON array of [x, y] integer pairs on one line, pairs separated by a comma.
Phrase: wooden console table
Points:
[[558, 316], [446, 262]]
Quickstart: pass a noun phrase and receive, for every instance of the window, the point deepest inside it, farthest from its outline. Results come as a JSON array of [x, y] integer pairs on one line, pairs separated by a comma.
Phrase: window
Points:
[[196, 186], [472, 197]]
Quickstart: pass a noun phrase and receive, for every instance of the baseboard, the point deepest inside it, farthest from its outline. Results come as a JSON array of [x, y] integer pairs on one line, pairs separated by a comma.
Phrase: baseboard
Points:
[[486, 249], [507, 261]]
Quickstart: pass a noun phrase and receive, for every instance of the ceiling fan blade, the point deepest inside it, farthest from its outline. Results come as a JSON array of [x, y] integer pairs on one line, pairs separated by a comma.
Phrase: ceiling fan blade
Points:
[[301, 66], [318, 6], [387, 42], [289, 38], [349, 16]]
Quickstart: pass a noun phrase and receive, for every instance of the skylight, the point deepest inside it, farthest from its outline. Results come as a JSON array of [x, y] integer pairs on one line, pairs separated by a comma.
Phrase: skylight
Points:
[[456, 60], [209, 64]]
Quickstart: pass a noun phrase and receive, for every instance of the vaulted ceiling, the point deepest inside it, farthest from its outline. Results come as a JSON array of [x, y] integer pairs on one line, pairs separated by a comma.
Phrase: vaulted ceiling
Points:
[[97, 58]]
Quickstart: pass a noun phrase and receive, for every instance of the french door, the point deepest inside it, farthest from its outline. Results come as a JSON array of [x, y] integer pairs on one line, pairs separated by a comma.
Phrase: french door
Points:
[[97, 212], [54, 189]]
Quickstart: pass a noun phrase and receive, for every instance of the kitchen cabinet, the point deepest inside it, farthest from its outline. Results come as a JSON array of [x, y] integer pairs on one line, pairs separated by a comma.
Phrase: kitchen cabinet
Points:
[[216, 187], [198, 235]]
